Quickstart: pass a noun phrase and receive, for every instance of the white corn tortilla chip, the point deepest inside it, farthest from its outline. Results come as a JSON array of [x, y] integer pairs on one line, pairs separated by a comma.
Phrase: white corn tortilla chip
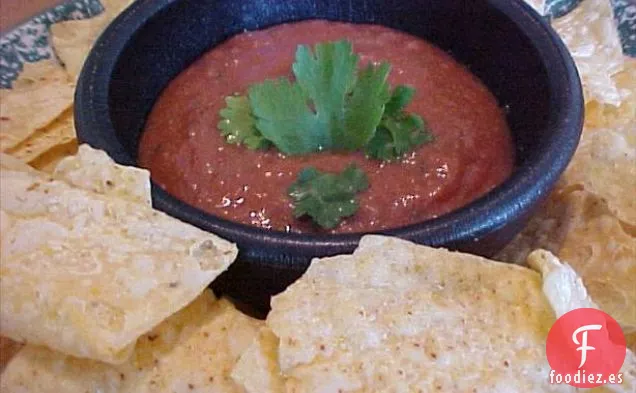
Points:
[[562, 286], [599, 115], [126, 182], [400, 317], [257, 370], [14, 164], [115, 7], [48, 161], [193, 351], [87, 274], [578, 227], [41, 93], [590, 33], [604, 255], [94, 170], [74, 39], [61, 131], [566, 292], [605, 165], [397, 317]]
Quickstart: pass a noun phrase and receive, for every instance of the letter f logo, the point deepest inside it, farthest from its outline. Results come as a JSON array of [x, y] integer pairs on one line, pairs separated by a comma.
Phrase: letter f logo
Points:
[[573, 336], [583, 344]]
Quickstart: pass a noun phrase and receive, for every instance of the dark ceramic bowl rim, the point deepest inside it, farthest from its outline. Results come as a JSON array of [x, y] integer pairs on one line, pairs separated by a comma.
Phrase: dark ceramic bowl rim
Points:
[[523, 189]]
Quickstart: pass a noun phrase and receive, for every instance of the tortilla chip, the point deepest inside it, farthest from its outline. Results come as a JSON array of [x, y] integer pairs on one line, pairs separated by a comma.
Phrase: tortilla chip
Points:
[[579, 228], [604, 255], [48, 161], [8, 348], [590, 33], [396, 316], [74, 39], [192, 351], [60, 132], [94, 170], [115, 7], [566, 292], [87, 274], [598, 115], [605, 165], [400, 317], [257, 370], [12, 163], [41, 93], [562, 286]]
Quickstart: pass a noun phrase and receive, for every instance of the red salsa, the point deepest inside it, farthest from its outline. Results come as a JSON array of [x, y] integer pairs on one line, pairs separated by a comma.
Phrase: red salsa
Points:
[[182, 147]]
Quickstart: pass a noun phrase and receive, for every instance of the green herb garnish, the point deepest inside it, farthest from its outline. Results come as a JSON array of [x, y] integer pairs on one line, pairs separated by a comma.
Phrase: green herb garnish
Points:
[[330, 106], [398, 131], [326, 197], [239, 127]]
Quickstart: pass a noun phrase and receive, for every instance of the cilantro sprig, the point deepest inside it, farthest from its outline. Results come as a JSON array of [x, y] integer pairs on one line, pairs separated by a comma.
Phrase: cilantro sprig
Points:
[[326, 197], [331, 105]]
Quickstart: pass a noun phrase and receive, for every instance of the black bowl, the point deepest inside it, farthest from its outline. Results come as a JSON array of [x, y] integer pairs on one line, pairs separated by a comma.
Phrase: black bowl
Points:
[[504, 42]]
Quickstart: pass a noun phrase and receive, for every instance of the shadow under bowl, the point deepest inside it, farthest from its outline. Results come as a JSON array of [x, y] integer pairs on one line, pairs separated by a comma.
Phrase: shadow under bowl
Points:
[[503, 42]]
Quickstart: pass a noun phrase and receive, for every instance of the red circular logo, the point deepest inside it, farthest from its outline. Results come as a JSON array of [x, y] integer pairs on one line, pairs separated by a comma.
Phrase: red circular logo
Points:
[[585, 348]]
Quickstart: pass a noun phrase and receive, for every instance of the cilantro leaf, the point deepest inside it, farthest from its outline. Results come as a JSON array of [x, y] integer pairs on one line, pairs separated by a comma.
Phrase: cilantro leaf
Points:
[[238, 125], [326, 76], [330, 106], [365, 107], [400, 98], [326, 197], [398, 132], [381, 146], [283, 117]]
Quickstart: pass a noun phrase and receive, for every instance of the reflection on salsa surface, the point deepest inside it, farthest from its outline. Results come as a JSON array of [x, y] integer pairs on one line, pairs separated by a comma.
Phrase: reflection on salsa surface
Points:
[[182, 147]]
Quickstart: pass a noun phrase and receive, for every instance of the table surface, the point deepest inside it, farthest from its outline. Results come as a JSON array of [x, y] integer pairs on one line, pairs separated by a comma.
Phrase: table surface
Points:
[[12, 12]]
